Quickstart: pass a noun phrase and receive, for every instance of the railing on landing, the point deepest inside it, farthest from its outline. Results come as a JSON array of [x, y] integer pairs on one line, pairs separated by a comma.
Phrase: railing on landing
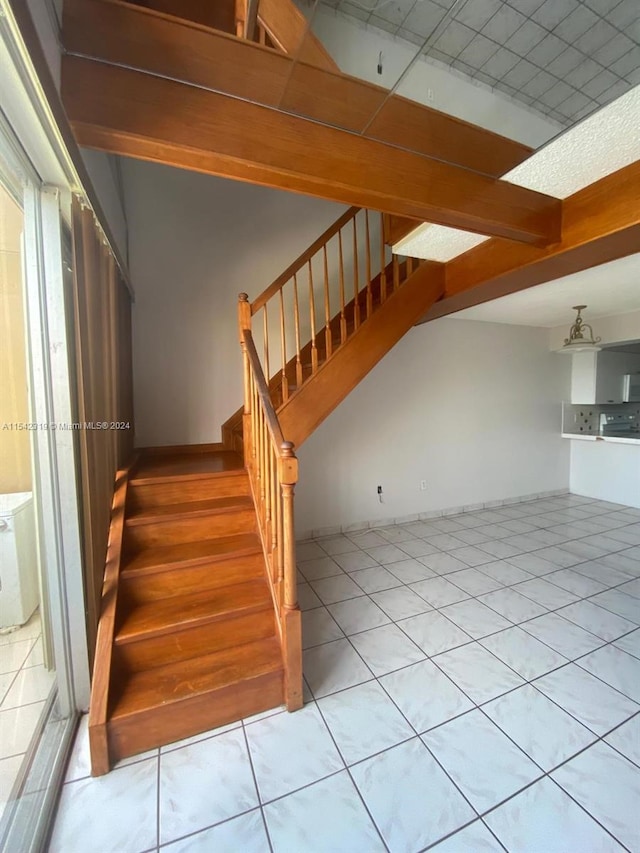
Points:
[[273, 473]]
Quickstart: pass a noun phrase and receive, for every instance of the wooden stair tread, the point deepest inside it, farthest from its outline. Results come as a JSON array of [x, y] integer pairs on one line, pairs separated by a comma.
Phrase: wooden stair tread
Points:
[[187, 466], [192, 508], [186, 611], [175, 682], [189, 553]]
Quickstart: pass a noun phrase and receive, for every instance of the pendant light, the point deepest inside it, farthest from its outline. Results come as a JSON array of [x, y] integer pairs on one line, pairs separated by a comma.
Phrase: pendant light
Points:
[[580, 335]]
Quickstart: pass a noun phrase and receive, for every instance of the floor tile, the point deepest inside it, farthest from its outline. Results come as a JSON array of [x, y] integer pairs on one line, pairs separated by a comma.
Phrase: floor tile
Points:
[[13, 655], [513, 606], [474, 581], [471, 556], [321, 567], [333, 545], [585, 697], [522, 652], [534, 564], [187, 741], [445, 541], [481, 760], [545, 732], [354, 560], [446, 525], [439, 592], [385, 649], [335, 589], [622, 563], [630, 643], [395, 534], [477, 672], [319, 626], [245, 832], [434, 633], [357, 614], [29, 685], [9, 770], [79, 765], [375, 579], [417, 548], [574, 582], [17, 726], [334, 666], [498, 549], [442, 564], [327, 817], [123, 811], [309, 551], [630, 588], [410, 571], [307, 599], [616, 668], [504, 572], [425, 695], [472, 536], [36, 655], [563, 636], [544, 818], [547, 594], [394, 786], [386, 554], [474, 838], [400, 603], [620, 603], [203, 784], [289, 751], [626, 739], [363, 721], [475, 618], [597, 620], [608, 787]]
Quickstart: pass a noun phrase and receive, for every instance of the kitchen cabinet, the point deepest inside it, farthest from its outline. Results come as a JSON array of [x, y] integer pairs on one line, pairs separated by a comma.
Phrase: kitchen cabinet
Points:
[[611, 368]]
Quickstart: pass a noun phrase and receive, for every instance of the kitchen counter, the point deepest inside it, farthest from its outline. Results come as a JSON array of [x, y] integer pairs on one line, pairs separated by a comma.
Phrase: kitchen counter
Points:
[[615, 438]]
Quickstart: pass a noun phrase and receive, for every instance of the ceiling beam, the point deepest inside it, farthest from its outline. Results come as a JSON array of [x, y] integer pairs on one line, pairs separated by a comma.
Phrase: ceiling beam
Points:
[[141, 38], [140, 115], [288, 28], [600, 223]]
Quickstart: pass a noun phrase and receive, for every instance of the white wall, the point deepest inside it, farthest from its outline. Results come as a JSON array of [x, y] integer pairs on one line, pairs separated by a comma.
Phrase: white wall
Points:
[[606, 471], [196, 242], [472, 408], [356, 47]]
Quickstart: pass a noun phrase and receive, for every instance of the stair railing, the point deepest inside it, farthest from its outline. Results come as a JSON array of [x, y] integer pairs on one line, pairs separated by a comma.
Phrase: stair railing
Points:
[[322, 298], [273, 473]]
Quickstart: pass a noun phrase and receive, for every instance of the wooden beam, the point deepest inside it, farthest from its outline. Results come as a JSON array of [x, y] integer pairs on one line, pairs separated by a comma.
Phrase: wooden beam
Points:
[[220, 14], [601, 223], [288, 28], [143, 39], [139, 115]]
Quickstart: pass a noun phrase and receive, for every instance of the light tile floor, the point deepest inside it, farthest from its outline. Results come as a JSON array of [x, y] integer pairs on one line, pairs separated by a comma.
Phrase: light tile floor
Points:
[[24, 686], [472, 684]]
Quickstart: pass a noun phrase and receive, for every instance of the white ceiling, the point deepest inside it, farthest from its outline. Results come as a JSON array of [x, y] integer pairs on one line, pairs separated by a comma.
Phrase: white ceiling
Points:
[[609, 289]]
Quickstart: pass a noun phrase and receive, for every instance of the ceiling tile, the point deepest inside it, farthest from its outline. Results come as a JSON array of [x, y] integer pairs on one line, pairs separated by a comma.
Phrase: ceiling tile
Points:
[[504, 87], [463, 67], [552, 12], [527, 7], [454, 39], [576, 24], [627, 63], [394, 12], [556, 94], [598, 36], [410, 36], [634, 77], [500, 63], [540, 84], [601, 7], [484, 78], [503, 24], [526, 37], [353, 10], [625, 17], [546, 51], [573, 103], [614, 92], [584, 72], [617, 47], [423, 18], [478, 51], [521, 73], [599, 84], [569, 59], [382, 24], [476, 13]]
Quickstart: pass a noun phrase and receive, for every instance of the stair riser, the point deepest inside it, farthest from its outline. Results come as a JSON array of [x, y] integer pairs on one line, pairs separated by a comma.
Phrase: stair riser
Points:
[[155, 727], [189, 529], [185, 579], [192, 642], [183, 491]]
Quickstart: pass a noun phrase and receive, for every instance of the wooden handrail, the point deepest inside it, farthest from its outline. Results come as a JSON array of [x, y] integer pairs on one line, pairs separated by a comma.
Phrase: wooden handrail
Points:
[[275, 433], [304, 258]]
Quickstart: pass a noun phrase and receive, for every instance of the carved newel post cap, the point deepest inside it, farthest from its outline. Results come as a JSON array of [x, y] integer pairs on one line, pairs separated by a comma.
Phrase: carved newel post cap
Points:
[[243, 297], [287, 448]]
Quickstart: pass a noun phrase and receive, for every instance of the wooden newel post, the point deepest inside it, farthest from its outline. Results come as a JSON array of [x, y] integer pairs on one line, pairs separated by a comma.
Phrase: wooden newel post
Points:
[[244, 324], [288, 479]]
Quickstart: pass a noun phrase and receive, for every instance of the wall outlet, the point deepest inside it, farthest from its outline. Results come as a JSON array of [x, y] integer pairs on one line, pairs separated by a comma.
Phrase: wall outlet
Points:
[[423, 485]]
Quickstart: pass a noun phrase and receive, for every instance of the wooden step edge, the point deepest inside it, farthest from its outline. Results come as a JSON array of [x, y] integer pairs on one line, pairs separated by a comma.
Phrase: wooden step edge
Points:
[[154, 568], [227, 615], [183, 478], [151, 515], [99, 704]]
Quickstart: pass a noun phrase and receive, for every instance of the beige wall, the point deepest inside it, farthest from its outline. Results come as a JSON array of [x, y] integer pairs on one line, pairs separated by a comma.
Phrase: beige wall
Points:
[[15, 462]]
